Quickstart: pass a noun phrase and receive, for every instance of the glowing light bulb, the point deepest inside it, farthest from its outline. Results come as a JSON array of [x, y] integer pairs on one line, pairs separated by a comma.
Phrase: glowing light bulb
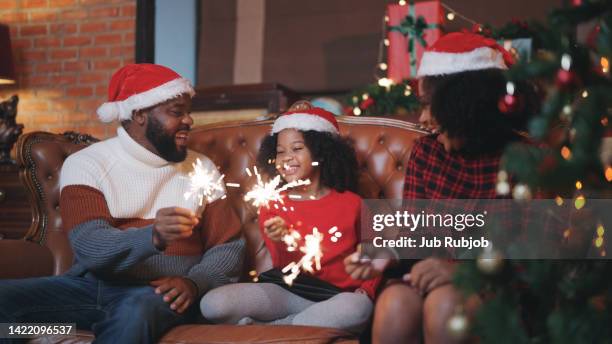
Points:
[[510, 88], [385, 82], [566, 61], [566, 153], [605, 64]]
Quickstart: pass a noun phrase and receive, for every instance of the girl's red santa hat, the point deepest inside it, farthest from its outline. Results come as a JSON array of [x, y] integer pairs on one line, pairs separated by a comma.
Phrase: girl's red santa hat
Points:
[[303, 116], [461, 52], [139, 86]]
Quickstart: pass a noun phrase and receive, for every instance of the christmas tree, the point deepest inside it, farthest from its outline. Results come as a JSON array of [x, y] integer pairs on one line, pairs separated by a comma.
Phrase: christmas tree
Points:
[[568, 160]]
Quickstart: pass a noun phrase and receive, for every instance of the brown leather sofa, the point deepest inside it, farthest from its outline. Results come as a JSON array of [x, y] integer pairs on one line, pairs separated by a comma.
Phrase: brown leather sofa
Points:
[[383, 147]]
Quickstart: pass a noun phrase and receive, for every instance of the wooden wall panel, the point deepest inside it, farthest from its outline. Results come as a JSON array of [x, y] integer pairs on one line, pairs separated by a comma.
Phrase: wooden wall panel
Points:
[[328, 45]]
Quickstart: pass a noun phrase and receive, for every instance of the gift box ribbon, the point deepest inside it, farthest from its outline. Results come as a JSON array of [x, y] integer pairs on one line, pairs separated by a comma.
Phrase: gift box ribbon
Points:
[[413, 29]]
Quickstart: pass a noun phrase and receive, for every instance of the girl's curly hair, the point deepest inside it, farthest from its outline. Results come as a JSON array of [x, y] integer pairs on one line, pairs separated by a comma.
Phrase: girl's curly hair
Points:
[[336, 157], [465, 105]]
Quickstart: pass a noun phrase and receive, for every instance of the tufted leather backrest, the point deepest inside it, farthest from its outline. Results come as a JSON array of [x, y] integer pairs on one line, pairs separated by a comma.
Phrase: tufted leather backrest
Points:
[[383, 146], [40, 156]]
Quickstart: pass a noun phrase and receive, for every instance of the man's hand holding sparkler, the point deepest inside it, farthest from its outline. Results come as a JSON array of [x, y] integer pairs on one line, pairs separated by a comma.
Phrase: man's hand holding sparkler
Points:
[[172, 224], [275, 228]]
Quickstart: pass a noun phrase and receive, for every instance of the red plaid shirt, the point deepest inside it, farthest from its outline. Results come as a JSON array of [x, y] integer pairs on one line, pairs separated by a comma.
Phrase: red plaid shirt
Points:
[[433, 173]]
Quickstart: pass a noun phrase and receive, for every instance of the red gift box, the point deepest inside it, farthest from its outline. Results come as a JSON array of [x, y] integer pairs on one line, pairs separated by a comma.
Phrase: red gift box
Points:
[[398, 55]]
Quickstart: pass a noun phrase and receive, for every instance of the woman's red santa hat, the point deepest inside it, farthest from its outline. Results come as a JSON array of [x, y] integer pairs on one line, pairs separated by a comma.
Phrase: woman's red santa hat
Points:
[[139, 86], [303, 116], [461, 52]]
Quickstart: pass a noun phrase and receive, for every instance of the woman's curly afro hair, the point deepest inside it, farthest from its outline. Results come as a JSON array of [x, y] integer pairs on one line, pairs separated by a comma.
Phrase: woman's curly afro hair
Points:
[[465, 105]]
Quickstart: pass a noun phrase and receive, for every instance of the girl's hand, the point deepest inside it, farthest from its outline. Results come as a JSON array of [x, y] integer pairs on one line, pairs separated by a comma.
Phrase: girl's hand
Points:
[[367, 263], [363, 269], [275, 228]]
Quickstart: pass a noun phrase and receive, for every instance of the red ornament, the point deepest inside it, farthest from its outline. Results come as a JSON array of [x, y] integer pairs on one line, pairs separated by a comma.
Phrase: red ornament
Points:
[[548, 164], [591, 40], [520, 23], [366, 103], [480, 29], [566, 80], [509, 104], [414, 86]]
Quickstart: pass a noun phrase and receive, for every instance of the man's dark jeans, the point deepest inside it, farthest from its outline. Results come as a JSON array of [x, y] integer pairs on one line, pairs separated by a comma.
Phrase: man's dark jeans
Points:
[[116, 313]]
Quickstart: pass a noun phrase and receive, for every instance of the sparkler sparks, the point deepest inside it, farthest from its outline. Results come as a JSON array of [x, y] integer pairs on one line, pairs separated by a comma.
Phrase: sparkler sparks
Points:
[[311, 260], [263, 193], [204, 185], [291, 240]]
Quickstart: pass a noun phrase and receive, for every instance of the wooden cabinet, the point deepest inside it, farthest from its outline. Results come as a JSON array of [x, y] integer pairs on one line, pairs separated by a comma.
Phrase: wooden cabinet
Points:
[[15, 210]]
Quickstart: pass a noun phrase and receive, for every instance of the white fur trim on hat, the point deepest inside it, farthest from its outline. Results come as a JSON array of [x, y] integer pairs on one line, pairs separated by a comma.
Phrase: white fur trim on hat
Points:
[[122, 110], [303, 121], [437, 63]]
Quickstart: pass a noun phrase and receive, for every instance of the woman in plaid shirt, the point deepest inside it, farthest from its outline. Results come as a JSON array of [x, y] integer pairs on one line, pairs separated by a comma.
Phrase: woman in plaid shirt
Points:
[[461, 82]]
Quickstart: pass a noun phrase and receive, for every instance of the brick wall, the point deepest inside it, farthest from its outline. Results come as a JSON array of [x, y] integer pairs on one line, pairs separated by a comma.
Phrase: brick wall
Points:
[[65, 52]]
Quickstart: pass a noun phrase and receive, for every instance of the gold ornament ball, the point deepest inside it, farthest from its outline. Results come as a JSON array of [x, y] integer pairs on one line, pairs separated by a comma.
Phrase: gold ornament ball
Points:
[[502, 188], [458, 326], [521, 192], [566, 113], [490, 262]]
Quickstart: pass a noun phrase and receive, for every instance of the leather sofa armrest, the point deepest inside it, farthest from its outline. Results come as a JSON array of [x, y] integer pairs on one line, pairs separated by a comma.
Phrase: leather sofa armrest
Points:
[[21, 259]]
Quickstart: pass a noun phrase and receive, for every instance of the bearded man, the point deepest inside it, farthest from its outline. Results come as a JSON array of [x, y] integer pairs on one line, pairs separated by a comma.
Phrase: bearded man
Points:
[[142, 256]]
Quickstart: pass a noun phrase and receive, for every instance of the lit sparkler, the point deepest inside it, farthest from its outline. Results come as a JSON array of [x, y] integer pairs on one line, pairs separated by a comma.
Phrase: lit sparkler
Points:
[[204, 185], [311, 260], [263, 193]]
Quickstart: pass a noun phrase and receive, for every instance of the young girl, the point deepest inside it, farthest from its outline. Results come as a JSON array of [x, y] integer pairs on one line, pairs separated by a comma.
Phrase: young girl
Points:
[[304, 144]]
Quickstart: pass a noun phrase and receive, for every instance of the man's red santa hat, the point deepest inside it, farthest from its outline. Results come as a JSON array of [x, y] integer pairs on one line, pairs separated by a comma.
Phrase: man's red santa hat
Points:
[[303, 116], [139, 86], [461, 52]]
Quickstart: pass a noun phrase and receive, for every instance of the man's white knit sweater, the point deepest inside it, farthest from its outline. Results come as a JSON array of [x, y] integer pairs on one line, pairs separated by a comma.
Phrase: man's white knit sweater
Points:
[[110, 194]]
